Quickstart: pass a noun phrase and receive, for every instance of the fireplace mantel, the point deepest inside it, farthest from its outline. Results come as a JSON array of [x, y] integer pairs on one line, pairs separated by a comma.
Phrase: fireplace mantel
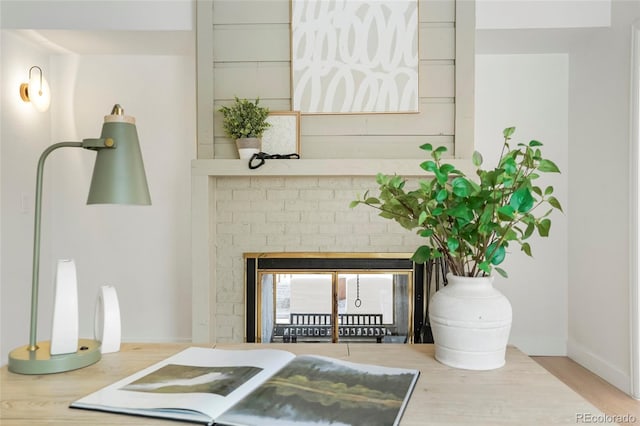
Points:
[[317, 167]]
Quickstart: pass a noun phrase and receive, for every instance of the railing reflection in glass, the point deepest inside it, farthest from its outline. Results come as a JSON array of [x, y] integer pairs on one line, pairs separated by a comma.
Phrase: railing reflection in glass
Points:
[[334, 306]]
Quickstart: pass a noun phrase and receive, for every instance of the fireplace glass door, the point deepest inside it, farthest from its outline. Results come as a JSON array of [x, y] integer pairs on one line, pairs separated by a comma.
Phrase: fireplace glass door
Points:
[[334, 303], [303, 307]]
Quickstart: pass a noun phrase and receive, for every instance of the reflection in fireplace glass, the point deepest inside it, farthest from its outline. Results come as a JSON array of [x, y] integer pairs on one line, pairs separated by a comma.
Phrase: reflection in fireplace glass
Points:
[[334, 306]]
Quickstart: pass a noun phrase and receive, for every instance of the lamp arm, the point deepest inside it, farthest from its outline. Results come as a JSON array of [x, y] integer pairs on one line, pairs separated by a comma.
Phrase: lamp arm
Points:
[[35, 274]]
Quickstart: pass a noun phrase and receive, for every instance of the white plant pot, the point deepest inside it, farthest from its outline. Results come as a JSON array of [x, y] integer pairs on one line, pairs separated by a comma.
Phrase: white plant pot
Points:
[[470, 321], [248, 146]]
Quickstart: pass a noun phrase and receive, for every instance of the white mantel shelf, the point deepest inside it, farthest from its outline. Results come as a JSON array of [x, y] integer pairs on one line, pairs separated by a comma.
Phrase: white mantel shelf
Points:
[[317, 167]]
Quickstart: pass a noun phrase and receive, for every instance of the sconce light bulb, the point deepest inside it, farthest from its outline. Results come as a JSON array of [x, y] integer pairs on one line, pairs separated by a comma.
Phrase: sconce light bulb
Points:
[[41, 96]]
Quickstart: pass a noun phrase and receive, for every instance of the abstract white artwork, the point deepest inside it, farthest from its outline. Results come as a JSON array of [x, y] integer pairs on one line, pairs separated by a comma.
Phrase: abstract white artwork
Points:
[[354, 56]]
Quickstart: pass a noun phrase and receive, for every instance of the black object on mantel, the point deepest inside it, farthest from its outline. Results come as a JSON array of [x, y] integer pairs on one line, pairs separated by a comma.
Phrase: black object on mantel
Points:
[[262, 156]]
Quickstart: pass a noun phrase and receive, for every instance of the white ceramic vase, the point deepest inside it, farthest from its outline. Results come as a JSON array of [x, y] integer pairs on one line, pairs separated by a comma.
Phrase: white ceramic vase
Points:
[[470, 321]]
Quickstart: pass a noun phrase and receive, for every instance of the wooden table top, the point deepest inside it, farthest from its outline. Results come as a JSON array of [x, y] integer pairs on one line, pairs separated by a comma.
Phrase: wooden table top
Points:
[[520, 393]]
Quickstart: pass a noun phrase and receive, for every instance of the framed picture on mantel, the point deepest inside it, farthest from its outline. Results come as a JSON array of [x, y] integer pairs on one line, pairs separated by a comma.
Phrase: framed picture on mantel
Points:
[[283, 136], [356, 56]]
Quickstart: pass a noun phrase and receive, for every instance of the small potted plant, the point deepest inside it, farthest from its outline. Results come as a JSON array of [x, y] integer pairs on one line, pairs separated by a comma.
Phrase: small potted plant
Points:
[[245, 122], [469, 224]]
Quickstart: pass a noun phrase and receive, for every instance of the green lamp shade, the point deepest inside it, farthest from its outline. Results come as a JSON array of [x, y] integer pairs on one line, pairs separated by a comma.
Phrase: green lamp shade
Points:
[[118, 174]]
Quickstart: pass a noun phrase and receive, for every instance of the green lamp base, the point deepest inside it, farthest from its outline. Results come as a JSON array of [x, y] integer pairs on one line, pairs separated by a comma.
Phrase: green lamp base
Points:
[[40, 361]]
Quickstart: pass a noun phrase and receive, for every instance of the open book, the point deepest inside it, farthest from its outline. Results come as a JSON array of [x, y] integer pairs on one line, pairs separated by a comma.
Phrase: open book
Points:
[[259, 387]]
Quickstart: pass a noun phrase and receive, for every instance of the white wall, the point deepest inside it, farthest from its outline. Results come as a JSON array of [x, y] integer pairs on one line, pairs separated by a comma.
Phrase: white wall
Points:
[[518, 14], [596, 249], [599, 318], [530, 92], [143, 251], [24, 134]]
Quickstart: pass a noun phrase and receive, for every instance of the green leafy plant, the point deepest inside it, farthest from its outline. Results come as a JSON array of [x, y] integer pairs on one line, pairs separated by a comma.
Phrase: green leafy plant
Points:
[[245, 119], [471, 222]]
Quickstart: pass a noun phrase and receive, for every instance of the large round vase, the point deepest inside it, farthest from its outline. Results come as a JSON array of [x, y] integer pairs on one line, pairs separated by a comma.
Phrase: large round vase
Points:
[[470, 321]]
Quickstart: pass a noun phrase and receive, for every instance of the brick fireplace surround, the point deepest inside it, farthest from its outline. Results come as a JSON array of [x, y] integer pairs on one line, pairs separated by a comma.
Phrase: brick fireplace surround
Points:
[[284, 206]]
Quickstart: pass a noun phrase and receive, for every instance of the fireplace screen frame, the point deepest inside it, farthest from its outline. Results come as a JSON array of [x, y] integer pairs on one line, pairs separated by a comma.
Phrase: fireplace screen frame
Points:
[[257, 264]]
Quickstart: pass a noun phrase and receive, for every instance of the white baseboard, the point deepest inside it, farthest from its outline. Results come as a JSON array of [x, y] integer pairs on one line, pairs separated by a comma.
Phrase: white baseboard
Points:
[[599, 366]]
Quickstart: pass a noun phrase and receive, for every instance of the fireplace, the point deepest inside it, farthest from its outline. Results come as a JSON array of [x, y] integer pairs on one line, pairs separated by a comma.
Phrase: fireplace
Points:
[[333, 297], [299, 206]]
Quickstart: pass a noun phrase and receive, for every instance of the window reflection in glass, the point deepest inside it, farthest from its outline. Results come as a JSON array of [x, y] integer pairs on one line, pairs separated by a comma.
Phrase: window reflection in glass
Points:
[[366, 294], [300, 306], [302, 294]]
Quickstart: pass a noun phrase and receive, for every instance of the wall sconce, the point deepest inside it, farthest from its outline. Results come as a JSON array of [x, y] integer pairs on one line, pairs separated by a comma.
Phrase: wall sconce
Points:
[[118, 178], [36, 90]]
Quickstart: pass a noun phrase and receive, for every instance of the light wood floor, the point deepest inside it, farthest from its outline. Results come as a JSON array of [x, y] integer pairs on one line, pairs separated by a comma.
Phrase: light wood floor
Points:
[[609, 399]]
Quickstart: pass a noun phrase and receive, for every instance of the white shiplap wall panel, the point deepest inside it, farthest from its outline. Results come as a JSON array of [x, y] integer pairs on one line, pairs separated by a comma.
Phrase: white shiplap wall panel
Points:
[[356, 146], [253, 42], [251, 58], [371, 146], [433, 119], [250, 12], [436, 80], [259, 79], [271, 42], [277, 11], [272, 79], [437, 10], [226, 148], [437, 41]]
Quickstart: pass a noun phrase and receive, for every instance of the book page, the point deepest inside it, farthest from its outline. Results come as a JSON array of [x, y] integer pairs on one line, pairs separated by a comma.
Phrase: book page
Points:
[[196, 380], [313, 390]]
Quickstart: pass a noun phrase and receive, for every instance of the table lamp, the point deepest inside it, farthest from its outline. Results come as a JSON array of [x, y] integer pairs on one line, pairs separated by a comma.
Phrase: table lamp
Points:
[[118, 178]]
